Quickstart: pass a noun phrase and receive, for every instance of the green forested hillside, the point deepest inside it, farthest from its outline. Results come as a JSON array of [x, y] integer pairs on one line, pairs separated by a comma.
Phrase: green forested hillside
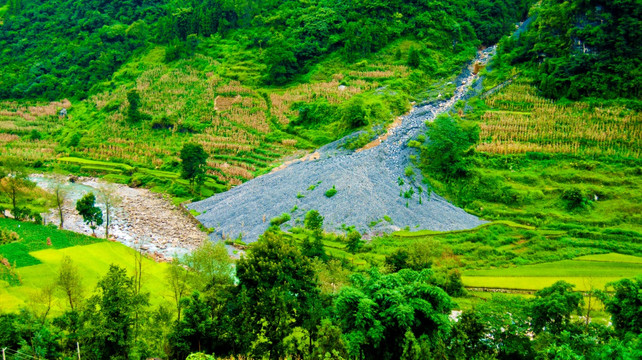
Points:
[[577, 49], [55, 49], [252, 82]]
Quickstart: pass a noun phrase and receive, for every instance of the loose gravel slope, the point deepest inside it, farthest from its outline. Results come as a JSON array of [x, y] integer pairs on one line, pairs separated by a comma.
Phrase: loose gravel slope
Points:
[[366, 182]]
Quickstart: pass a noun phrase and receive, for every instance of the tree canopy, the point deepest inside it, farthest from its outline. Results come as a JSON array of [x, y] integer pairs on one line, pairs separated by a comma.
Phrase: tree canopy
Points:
[[193, 162], [91, 214]]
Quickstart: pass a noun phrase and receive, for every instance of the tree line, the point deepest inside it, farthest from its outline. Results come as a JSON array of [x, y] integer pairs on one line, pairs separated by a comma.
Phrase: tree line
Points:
[[287, 299]]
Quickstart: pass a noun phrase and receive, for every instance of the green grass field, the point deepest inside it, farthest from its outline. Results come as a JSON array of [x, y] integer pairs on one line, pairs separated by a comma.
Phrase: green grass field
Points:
[[586, 272], [93, 261], [38, 264], [34, 237]]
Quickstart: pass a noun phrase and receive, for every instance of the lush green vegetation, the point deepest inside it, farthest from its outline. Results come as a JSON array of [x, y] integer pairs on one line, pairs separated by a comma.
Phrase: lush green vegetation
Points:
[[34, 237], [578, 49], [568, 170], [283, 304], [247, 82]]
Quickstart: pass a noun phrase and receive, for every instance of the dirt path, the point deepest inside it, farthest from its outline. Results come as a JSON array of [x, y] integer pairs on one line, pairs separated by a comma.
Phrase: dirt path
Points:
[[376, 142], [141, 219]]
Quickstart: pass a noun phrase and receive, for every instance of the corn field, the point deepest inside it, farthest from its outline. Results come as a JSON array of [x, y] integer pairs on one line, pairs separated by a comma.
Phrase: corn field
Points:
[[523, 122], [18, 120], [233, 120]]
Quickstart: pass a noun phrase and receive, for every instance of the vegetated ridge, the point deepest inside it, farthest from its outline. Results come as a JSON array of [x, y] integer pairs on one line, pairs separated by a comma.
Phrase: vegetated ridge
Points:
[[377, 189]]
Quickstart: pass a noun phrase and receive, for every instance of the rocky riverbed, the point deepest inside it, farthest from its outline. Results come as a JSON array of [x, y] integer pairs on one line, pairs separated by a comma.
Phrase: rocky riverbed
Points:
[[373, 191], [141, 219]]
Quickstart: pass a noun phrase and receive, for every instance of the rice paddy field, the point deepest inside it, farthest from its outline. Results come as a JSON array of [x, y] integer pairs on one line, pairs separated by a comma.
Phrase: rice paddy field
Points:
[[585, 272]]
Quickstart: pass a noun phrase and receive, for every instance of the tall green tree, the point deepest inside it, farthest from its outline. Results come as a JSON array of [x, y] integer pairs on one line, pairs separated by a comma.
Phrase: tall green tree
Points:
[[193, 162], [60, 194], [193, 333], [211, 265], [625, 305], [509, 332], [277, 286], [313, 221], [133, 112], [381, 313], [553, 306], [70, 282], [109, 316], [444, 154], [281, 62], [354, 241], [178, 277]]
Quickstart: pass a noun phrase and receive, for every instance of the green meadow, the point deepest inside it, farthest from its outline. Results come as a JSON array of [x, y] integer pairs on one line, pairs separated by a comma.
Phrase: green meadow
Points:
[[38, 264]]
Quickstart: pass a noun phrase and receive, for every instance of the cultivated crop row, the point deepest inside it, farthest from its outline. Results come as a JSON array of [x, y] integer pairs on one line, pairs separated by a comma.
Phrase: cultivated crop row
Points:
[[523, 122]]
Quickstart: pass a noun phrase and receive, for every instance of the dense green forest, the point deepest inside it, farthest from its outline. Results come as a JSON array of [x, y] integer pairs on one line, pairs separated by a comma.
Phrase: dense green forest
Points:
[[578, 49]]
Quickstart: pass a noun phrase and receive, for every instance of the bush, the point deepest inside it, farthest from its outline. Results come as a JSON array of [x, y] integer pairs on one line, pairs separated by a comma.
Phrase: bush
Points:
[[445, 154], [179, 191], [575, 198], [414, 58], [279, 220], [35, 135], [8, 236], [331, 192], [397, 260], [360, 141], [162, 122]]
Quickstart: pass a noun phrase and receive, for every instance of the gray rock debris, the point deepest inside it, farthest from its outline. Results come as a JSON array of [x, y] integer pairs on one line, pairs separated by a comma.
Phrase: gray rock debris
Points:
[[366, 183]]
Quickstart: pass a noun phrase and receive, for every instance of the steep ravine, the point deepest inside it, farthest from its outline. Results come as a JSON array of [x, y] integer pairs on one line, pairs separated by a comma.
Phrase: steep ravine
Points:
[[366, 182]]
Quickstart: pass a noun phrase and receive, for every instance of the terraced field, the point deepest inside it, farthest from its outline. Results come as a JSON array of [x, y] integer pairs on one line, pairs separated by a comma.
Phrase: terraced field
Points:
[[586, 272]]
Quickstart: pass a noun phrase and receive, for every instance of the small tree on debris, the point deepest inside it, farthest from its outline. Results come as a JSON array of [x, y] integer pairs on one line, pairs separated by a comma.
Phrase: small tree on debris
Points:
[[90, 213]]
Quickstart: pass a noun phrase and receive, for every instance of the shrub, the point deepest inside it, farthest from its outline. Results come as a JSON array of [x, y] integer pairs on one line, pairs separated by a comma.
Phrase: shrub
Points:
[[408, 193], [74, 140], [331, 192], [575, 198], [414, 58], [313, 220], [35, 135], [279, 220], [414, 144], [354, 241], [397, 260], [8, 236], [162, 122]]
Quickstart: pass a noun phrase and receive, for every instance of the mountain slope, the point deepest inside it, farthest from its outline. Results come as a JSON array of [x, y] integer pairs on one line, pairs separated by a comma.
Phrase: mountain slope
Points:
[[371, 185]]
